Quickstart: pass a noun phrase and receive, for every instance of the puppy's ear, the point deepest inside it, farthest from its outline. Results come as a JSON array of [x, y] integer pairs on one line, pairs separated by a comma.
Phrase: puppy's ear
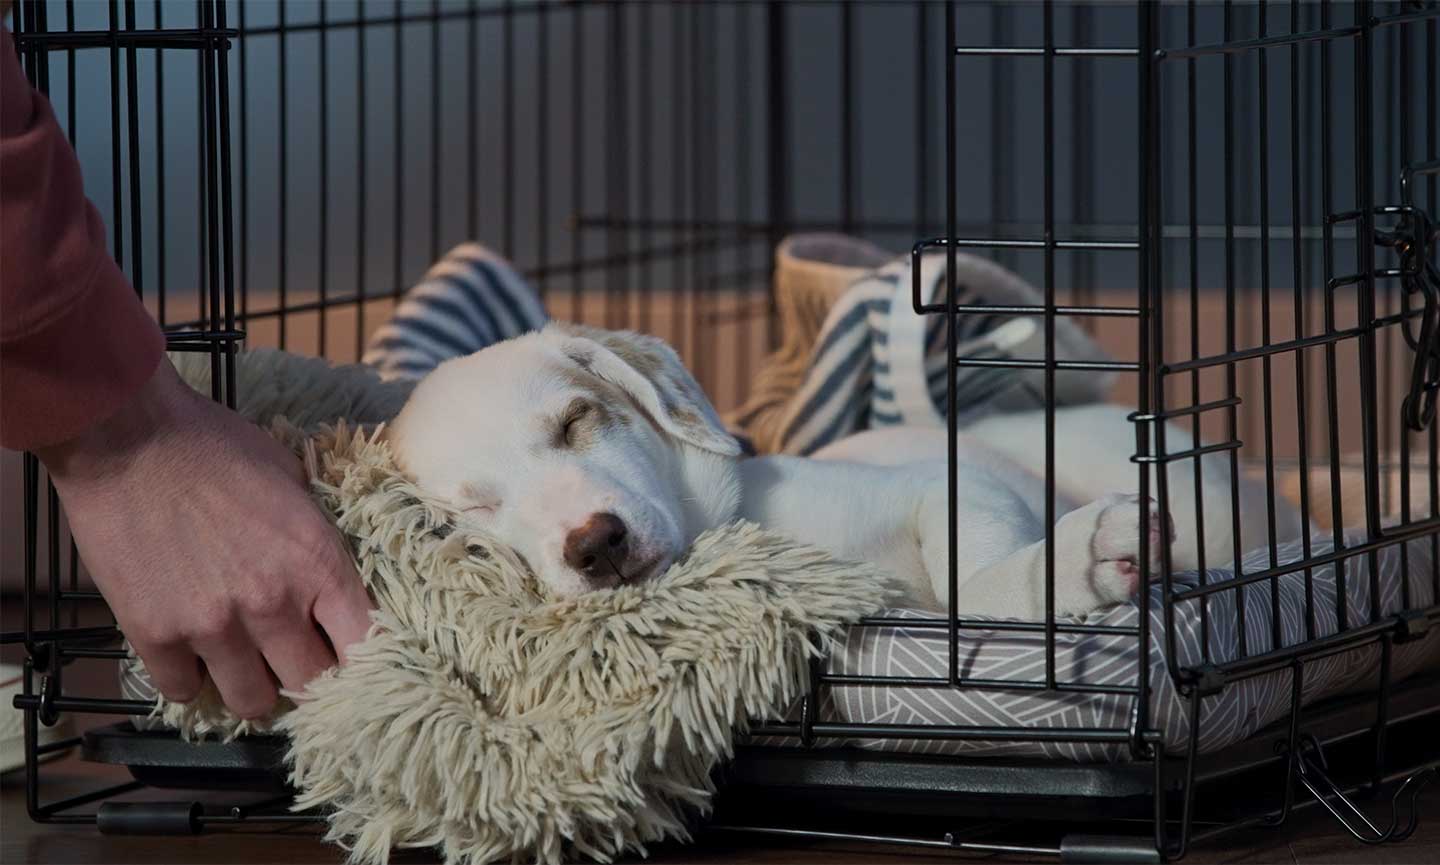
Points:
[[651, 373]]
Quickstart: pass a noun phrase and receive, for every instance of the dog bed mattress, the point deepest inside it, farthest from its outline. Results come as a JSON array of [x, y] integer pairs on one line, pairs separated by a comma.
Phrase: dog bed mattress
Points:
[[1236, 712]]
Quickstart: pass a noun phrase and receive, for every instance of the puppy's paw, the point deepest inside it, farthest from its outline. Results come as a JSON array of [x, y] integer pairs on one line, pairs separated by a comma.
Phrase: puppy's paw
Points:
[[1098, 557], [1115, 547]]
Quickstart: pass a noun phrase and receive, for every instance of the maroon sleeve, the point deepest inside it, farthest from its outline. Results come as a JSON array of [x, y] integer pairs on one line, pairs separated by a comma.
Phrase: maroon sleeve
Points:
[[75, 341]]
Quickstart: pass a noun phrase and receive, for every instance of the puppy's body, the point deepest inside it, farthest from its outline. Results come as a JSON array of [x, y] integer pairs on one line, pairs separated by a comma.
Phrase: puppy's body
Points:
[[597, 457]]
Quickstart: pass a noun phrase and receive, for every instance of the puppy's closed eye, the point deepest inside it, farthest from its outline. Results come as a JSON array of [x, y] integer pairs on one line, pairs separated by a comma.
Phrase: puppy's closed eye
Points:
[[574, 423]]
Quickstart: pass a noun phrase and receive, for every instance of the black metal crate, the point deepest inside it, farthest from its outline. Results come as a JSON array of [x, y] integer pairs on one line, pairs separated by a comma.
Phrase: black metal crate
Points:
[[1159, 147]]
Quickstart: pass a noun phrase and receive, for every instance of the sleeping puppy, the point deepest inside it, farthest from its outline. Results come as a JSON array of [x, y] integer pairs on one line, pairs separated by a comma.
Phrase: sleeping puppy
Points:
[[597, 457]]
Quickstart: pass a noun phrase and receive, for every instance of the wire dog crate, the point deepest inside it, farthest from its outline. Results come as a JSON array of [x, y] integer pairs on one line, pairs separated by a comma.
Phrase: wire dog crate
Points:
[[1239, 197]]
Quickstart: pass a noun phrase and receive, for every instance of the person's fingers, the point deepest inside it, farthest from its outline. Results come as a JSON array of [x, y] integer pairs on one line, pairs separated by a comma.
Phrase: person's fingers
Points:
[[245, 683], [174, 671], [297, 653], [344, 612]]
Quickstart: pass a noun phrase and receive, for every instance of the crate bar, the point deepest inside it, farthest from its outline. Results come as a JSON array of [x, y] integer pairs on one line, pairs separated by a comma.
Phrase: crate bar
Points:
[[1003, 626], [743, 138], [1267, 406], [979, 51], [848, 156], [116, 176], [132, 123], [573, 268], [1087, 311], [1195, 409], [1365, 202], [1322, 647], [1430, 15], [399, 19], [81, 704], [225, 204], [977, 684], [946, 843], [1242, 46], [1302, 404], [397, 177], [1390, 413], [1327, 228], [73, 595], [946, 733], [282, 286], [507, 121], [999, 309], [1048, 207], [159, 39], [922, 129], [709, 57], [615, 155], [323, 287], [542, 140], [1174, 231], [1432, 51], [777, 145], [1237, 356], [1031, 243], [596, 221], [472, 121], [1166, 458], [361, 170], [1038, 363], [95, 654], [245, 169], [695, 102], [160, 265], [1148, 289], [1369, 547], [677, 161], [951, 344]]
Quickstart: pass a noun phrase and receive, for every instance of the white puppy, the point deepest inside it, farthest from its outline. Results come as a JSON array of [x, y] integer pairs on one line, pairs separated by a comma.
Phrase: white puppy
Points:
[[597, 457]]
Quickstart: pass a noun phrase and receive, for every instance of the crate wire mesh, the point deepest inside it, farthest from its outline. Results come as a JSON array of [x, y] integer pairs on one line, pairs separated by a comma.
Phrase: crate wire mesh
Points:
[[650, 155]]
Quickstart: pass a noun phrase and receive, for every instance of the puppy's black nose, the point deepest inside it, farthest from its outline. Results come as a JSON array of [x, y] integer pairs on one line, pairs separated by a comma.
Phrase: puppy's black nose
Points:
[[600, 548]]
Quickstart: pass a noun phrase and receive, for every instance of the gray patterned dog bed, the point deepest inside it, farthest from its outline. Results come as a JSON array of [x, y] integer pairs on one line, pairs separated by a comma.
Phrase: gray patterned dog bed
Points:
[[1238, 711]]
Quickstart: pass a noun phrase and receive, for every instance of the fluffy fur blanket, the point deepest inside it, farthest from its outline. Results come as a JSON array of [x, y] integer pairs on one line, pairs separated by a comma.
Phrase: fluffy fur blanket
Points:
[[490, 721]]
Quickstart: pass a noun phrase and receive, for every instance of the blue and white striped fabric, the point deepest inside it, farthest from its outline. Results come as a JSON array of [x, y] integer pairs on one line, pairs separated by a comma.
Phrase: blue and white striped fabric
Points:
[[877, 363], [469, 299]]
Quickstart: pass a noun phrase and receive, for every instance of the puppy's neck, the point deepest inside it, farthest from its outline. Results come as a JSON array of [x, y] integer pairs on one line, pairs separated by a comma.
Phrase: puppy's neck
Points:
[[708, 489]]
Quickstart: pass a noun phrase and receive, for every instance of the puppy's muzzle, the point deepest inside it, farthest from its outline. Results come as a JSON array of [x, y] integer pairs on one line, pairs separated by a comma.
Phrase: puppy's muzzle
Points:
[[599, 550]]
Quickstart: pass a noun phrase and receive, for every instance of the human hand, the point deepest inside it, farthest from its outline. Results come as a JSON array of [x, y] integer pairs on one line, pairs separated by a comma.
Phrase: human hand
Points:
[[197, 529]]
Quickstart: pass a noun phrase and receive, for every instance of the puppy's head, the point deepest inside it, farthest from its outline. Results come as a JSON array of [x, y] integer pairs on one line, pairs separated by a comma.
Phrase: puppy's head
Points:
[[594, 454]]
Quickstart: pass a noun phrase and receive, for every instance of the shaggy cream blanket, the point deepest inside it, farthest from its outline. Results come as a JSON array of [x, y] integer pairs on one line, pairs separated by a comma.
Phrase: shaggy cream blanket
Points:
[[492, 722]]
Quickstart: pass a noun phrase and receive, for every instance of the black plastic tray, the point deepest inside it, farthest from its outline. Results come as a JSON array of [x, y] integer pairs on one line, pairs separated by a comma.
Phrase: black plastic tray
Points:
[[162, 759]]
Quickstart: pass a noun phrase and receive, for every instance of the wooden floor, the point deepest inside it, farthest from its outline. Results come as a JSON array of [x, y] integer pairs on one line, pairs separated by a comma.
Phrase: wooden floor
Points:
[[1311, 838]]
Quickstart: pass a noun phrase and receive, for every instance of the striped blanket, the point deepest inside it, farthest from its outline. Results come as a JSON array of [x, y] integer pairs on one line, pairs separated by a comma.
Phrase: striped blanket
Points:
[[468, 299], [878, 363]]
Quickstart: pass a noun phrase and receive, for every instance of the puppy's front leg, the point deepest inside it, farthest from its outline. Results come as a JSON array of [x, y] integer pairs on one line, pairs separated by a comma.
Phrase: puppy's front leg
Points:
[[1096, 564]]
